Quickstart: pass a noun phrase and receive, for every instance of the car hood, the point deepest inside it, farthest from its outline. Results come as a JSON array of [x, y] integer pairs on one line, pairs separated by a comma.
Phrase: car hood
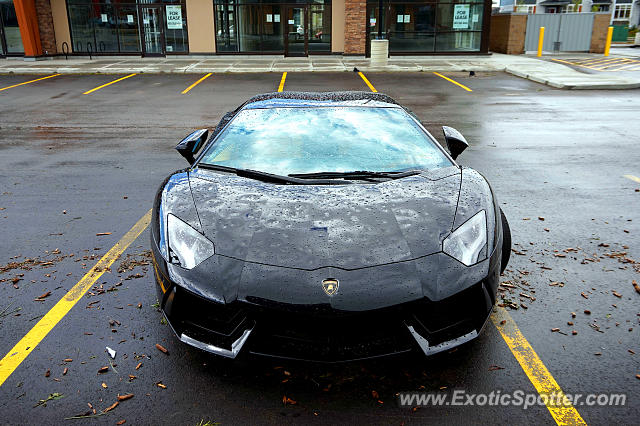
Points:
[[314, 226]]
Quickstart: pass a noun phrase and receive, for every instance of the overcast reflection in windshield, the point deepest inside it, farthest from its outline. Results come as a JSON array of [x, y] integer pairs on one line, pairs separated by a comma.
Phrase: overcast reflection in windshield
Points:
[[326, 139]]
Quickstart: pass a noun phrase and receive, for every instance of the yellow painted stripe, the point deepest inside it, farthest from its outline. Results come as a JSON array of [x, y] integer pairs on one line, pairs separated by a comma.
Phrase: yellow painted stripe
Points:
[[574, 63], [633, 178], [23, 348], [563, 412], [108, 84], [282, 80], [28, 82], [454, 82], [373, 89], [196, 83], [599, 61]]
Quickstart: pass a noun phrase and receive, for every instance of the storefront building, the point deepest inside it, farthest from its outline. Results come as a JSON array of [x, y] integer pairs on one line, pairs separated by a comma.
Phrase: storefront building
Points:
[[41, 28]]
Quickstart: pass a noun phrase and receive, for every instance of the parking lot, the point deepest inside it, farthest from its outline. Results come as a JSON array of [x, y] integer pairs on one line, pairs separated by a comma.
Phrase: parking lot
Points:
[[81, 160]]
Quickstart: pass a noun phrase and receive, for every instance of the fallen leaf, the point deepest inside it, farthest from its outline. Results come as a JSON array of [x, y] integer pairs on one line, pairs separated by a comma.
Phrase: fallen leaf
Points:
[[162, 349], [616, 294], [503, 322], [573, 314], [637, 376], [67, 360], [125, 397], [495, 367], [103, 369], [553, 330], [138, 366], [160, 385], [100, 234], [636, 286], [540, 218], [111, 407], [104, 385], [585, 296], [587, 312], [65, 371], [123, 421], [47, 373], [574, 332], [42, 296]]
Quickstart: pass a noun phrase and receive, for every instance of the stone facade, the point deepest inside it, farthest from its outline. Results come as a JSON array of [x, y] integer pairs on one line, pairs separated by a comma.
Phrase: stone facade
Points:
[[355, 12], [507, 34], [45, 24]]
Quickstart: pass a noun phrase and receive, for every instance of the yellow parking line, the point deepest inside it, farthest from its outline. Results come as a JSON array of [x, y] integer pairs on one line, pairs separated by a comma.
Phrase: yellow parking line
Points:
[[108, 84], [23, 348], [562, 411], [284, 77], [373, 89], [592, 62], [628, 67], [574, 63], [27, 82], [453, 81], [633, 178], [196, 83], [604, 66]]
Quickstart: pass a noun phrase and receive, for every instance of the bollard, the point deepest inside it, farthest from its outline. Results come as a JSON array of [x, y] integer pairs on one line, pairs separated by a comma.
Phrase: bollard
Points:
[[540, 41], [607, 45]]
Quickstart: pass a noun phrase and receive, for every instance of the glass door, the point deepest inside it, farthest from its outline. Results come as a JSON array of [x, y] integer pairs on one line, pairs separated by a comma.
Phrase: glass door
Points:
[[10, 39], [296, 31], [152, 31]]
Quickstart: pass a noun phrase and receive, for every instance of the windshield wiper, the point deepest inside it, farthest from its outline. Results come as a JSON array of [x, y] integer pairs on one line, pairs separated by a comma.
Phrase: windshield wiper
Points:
[[266, 177], [356, 175]]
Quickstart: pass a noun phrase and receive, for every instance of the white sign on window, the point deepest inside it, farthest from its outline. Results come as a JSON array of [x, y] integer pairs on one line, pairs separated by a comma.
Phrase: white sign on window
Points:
[[276, 18], [291, 21], [104, 17], [372, 22], [476, 16], [460, 16], [407, 19], [174, 17], [129, 19], [400, 19], [269, 17]]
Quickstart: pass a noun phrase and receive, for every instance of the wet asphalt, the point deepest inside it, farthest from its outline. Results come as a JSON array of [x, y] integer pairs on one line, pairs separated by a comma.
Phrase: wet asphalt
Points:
[[74, 165]]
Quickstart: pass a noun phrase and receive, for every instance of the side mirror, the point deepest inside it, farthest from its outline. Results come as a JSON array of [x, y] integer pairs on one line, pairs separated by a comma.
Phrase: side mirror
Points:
[[455, 141], [189, 146]]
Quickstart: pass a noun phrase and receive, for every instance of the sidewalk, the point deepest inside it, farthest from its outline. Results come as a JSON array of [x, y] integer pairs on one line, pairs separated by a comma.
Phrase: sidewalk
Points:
[[525, 66]]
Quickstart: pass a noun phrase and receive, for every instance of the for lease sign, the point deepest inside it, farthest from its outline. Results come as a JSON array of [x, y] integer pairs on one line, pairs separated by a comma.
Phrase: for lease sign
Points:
[[461, 17], [174, 17]]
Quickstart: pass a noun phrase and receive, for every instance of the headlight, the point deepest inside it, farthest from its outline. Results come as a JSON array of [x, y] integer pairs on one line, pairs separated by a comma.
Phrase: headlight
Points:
[[187, 247], [468, 243]]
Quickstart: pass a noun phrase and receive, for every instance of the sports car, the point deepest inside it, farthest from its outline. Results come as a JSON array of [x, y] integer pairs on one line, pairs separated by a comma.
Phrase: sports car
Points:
[[326, 227]]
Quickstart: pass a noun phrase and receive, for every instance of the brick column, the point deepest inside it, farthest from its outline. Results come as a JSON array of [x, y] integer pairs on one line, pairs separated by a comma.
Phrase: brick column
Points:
[[355, 27], [45, 24], [28, 23]]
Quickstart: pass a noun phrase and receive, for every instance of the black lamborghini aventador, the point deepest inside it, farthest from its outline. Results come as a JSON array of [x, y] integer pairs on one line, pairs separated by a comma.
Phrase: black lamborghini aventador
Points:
[[326, 227]]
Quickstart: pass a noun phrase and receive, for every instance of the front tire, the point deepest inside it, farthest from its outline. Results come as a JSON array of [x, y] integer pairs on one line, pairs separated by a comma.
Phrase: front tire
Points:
[[506, 242]]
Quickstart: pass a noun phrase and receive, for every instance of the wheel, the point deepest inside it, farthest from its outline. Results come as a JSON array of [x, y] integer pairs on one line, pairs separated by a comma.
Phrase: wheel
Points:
[[506, 242]]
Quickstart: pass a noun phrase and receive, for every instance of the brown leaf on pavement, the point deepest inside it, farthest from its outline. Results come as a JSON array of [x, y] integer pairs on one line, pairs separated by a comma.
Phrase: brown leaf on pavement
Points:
[[160, 385], [584, 295], [123, 421], [553, 330], [574, 332], [104, 385], [495, 367], [637, 376], [573, 314], [111, 407], [540, 218], [162, 349], [67, 360], [616, 294], [103, 369], [636, 286], [125, 397], [587, 312], [138, 366], [65, 371], [47, 373], [100, 234]]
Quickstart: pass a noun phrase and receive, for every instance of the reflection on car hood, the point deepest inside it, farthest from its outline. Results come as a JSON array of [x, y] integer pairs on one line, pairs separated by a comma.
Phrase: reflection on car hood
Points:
[[315, 226]]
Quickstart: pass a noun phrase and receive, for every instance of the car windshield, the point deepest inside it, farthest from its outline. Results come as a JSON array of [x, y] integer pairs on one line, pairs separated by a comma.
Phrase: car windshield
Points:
[[301, 140]]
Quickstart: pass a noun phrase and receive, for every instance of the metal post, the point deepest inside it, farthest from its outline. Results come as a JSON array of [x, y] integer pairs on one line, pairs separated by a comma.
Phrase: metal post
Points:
[[540, 41], [380, 8], [607, 45]]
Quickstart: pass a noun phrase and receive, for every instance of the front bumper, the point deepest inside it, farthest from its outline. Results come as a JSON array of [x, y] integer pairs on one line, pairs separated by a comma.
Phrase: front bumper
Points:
[[322, 333]]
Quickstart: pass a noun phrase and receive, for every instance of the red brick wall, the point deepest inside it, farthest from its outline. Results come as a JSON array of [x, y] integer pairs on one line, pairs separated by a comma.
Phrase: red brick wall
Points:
[[507, 33], [599, 32], [45, 24], [355, 14]]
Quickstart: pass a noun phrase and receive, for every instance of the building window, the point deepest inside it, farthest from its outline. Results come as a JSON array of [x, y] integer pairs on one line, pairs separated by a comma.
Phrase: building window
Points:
[[273, 26], [525, 8], [428, 26], [622, 12], [113, 26], [10, 39]]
